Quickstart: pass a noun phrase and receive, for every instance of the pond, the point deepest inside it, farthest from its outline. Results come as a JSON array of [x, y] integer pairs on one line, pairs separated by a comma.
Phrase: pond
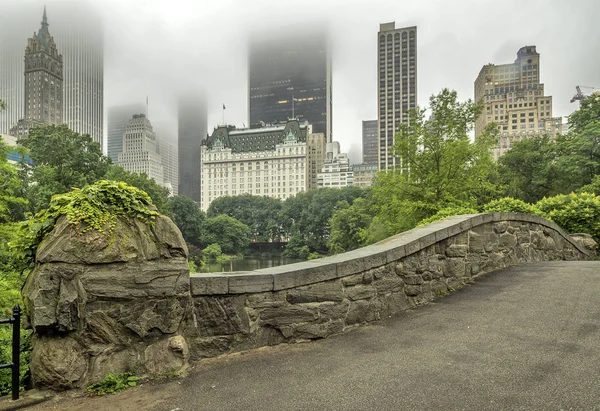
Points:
[[247, 264]]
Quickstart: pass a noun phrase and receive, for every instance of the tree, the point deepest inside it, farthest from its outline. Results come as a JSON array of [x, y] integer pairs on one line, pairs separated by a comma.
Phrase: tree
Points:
[[260, 213], [2, 105], [439, 166], [306, 217], [231, 235], [580, 148], [11, 188], [349, 226], [157, 193], [529, 170], [63, 159], [188, 216]]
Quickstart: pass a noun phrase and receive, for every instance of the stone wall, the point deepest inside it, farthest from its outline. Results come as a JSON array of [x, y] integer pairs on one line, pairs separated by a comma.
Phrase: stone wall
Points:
[[133, 318]]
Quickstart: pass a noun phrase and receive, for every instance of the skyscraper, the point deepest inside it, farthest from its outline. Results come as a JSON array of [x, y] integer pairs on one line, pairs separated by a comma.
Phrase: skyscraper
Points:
[[396, 85], [43, 82], [369, 141], [139, 149], [289, 75], [79, 34], [77, 31], [514, 99], [118, 118], [169, 156], [192, 130]]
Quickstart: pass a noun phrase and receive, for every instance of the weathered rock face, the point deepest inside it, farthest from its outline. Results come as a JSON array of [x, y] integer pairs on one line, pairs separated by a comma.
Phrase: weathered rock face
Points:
[[101, 304]]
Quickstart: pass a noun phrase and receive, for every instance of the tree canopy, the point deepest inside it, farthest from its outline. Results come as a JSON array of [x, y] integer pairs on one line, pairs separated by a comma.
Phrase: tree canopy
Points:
[[188, 216]]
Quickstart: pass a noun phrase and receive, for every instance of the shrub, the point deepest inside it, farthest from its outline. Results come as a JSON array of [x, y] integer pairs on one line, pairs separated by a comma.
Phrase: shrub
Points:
[[212, 252], [113, 383], [575, 213], [510, 205], [93, 207], [445, 213]]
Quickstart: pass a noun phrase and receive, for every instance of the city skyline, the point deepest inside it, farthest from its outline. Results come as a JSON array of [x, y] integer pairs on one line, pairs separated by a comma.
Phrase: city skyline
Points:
[[144, 42]]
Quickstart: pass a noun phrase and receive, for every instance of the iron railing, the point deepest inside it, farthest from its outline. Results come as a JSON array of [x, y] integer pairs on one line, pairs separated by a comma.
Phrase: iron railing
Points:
[[15, 320]]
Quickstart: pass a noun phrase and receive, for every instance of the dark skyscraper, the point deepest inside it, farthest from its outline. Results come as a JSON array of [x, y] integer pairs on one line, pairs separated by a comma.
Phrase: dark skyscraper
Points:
[[290, 76], [192, 130], [369, 142], [396, 85]]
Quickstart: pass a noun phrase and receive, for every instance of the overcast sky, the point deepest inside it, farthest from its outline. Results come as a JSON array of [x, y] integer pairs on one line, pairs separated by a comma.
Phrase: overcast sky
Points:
[[159, 47]]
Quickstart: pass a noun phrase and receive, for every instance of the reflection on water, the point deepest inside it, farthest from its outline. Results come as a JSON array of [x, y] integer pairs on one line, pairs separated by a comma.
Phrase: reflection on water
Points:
[[247, 264]]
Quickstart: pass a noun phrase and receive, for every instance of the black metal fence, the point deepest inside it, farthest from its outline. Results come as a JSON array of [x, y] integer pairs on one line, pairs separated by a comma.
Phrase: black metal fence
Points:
[[15, 320]]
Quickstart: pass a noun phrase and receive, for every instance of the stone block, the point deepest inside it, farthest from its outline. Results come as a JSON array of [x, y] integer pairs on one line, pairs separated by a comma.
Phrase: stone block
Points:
[[333, 311], [207, 347], [412, 290], [58, 362], [427, 240], [209, 284], [413, 247], [441, 234], [169, 355], [147, 317], [396, 253], [218, 316], [457, 250], [249, 283], [314, 331], [319, 292], [354, 279], [267, 299], [363, 311], [360, 292], [476, 243], [389, 284], [292, 314], [304, 273], [395, 303], [507, 241], [361, 263], [500, 227], [455, 268], [413, 279]]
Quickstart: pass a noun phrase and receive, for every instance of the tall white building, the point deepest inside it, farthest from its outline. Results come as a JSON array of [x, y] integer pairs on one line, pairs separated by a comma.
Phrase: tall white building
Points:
[[139, 149], [170, 161], [266, 161], [396, 85], [118, 118], [336, 172]]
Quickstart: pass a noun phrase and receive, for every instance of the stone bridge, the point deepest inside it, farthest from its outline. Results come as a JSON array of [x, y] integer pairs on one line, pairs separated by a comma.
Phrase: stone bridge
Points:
[[130, 304]]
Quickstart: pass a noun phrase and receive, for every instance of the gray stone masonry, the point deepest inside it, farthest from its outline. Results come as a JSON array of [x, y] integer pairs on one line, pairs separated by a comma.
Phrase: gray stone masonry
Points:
[[318, 298], [128, 304]]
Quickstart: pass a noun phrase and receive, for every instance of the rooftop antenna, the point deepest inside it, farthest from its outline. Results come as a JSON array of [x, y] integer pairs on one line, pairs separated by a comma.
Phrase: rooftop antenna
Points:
[[146, 106]]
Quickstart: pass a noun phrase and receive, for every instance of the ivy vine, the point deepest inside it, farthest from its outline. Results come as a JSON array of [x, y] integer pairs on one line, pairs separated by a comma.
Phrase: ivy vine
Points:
[[94, 207]]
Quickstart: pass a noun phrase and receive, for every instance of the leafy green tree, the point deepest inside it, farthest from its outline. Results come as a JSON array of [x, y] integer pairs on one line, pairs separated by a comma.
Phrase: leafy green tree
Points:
[[529, 170], [306, 217], [260, 213], [230, 234], [349, 226], [212, 251], [2, 105], [580, 156], [11, 189], [188, 216], [63, 160], [158, 193], [439, 166], [593, 187]]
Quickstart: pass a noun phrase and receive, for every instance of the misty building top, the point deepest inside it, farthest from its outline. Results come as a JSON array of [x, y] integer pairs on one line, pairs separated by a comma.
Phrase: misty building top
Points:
[[43, 41], [258, 138]]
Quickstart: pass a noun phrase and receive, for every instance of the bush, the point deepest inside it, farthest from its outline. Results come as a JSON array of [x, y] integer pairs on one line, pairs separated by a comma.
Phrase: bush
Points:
[[113, 383], [212, 252], [510, 205], [575, 213], [445, 213]]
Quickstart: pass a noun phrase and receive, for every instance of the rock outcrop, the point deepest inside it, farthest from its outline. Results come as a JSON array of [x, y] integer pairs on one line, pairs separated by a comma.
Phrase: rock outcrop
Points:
[[101, 303]]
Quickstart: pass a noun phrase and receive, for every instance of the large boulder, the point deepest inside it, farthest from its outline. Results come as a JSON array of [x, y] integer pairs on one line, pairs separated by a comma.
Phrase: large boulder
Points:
[[115, 298]]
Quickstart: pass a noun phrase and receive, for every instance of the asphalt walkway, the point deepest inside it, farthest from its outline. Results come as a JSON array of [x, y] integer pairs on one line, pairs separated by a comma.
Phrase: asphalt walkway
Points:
[[525, 337]]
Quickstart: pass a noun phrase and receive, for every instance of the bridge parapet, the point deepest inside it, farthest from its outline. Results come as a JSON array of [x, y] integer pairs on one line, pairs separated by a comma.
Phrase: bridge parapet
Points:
[[156, 325]]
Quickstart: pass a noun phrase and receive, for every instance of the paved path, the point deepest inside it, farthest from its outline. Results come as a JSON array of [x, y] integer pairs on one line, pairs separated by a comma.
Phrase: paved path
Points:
[[525, 337]]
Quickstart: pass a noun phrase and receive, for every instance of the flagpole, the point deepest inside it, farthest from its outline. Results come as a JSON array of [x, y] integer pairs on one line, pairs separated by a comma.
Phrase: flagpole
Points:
[[223, 114], [293, 106]]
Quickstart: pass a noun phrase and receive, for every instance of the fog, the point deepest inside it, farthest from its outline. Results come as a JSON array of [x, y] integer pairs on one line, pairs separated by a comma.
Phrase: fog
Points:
[[159, 48]]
